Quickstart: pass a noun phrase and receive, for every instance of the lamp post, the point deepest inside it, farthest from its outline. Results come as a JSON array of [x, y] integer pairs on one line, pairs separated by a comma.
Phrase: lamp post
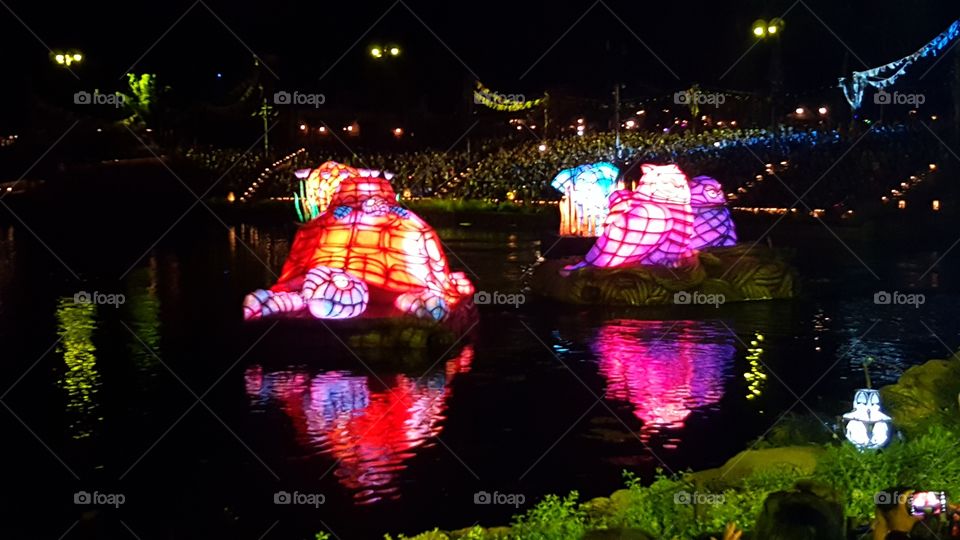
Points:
[[771, 31]]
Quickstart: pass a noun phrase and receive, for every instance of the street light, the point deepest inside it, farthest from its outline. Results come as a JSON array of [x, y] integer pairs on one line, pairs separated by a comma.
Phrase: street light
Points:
[[762, 28], [67, 58], [379, 52]]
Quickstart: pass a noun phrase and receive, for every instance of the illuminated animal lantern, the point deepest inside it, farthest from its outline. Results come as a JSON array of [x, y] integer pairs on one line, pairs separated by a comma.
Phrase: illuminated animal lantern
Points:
[[586, 189], [363, 252], [652, 225], [712, 224], [868, 427], [320, 185]]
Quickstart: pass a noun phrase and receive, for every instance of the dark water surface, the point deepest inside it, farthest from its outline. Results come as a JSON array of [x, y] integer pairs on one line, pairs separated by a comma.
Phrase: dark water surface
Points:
[[199, 421]]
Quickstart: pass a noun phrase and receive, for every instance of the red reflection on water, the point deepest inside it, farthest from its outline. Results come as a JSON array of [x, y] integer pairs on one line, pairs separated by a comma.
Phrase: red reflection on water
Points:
[[664, 369], [370, 432]]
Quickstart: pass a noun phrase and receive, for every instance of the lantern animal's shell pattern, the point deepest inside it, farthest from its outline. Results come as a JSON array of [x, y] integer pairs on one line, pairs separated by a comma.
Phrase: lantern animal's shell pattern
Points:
[[712, 223], [360, 243]]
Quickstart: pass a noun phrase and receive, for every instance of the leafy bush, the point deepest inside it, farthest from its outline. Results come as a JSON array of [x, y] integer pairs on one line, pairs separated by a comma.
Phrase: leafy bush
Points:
[[929, 461], [552, 519]]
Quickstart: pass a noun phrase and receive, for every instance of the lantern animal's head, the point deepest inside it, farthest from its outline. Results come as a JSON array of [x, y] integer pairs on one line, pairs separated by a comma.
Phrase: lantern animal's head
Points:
[[589, 185], [319, 186], [706, 191], [664, 184], [355, 191]]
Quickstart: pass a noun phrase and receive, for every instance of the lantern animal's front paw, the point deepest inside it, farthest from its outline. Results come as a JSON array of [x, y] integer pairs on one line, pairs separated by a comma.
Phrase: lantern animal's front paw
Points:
[[331, 293], [261, 303], [426, 303]]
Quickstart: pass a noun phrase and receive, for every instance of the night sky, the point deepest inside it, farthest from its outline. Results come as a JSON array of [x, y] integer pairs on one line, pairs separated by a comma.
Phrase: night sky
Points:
[[576, 47]]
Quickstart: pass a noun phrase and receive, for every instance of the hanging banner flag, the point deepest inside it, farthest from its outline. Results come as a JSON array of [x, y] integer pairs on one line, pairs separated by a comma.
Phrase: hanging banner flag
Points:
[[884, 76], [504, 102]]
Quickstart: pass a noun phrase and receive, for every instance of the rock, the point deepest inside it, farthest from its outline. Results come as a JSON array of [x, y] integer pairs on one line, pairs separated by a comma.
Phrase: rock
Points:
[[802, 459], [925, 394], [738, 273]]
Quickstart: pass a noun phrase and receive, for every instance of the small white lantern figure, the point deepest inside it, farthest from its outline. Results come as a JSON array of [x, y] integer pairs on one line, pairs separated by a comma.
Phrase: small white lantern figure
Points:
[[868, 428]]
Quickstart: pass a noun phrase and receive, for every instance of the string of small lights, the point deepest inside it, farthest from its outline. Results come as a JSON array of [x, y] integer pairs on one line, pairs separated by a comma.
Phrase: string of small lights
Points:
[[252, 188], [899, 194]]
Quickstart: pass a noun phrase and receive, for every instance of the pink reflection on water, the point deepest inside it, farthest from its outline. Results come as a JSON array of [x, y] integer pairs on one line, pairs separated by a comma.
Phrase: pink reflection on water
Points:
[[664, 369], [371, 431]]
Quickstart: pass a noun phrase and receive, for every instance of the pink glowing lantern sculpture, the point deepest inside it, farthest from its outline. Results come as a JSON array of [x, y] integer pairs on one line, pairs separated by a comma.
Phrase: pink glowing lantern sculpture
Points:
[[650, 226], [712, 223], [363, 253]]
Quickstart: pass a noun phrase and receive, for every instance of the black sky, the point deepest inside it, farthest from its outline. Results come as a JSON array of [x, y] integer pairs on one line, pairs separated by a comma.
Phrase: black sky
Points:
[[512, 46]]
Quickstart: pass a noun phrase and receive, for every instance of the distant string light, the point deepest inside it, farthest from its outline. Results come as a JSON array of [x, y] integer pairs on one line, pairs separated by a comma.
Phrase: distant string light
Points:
[[252, 189]]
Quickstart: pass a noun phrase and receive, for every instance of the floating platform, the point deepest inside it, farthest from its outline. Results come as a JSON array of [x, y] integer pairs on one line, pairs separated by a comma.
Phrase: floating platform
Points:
[[740, 273]]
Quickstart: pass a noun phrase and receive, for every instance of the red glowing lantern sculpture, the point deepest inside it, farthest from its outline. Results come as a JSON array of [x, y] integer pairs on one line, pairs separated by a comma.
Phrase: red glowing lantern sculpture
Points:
[[363, 251]]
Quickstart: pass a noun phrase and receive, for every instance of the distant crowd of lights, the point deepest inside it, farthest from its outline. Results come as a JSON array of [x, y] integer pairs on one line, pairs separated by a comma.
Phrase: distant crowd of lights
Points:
[[9, 140], [252, 189]]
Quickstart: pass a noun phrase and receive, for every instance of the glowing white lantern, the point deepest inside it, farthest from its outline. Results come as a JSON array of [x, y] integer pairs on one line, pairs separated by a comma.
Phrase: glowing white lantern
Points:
[[867, 426]]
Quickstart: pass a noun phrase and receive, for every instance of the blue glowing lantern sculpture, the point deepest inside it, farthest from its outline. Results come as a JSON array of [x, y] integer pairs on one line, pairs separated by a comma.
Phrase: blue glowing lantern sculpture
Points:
[[867, 427], [585, 192]]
